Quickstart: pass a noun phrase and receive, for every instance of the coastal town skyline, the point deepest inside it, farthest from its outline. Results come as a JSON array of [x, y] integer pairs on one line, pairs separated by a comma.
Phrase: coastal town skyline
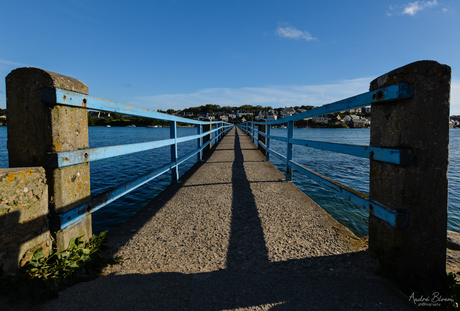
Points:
[[178, 54]]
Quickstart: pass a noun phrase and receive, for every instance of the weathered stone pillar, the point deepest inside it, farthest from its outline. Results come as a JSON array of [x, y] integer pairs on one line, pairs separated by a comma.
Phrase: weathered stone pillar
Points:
[[415, 256], [35, 129], [261, 128], [23, 216]]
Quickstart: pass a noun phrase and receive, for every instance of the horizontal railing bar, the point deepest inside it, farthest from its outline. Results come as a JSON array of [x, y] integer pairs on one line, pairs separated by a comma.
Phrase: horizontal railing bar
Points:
[[395, 156], [262, 134], [67, 158], [262, 144], [101, 200], [285, 139], [69, 98], [276, 153], [397, 220], [192, 153], [390, 93]]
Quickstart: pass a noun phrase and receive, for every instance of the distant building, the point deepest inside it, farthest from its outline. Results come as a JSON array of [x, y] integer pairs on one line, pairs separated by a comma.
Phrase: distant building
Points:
[[321, 119], [98, 114], [288, 111]]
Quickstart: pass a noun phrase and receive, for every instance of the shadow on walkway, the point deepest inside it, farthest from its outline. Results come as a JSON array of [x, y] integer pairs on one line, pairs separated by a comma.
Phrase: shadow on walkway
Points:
[[250, 281], [247, 249]]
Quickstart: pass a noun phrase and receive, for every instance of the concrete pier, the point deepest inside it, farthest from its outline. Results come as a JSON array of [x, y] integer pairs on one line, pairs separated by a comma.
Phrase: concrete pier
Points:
[[234, 235]]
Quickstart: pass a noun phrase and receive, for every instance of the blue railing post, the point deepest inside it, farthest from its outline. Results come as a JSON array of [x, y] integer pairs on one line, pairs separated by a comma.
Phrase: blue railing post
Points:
[[268, 130], [261, 144], [289, 150], [220, 131], [199, 143], [173, 135], [205, 140]]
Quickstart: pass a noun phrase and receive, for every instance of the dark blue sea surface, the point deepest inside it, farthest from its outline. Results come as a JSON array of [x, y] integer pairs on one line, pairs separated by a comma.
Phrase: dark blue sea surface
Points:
[[349, 170]]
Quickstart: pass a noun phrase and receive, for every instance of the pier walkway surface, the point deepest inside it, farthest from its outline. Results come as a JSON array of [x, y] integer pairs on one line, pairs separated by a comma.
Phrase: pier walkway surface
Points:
[[234, 236]]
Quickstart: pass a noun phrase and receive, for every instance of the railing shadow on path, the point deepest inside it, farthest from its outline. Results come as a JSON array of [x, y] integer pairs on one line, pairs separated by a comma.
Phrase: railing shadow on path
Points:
[[247, 249], [250, 280]]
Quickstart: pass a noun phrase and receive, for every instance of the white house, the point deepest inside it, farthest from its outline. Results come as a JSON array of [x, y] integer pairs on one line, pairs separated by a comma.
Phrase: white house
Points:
[[321, 119]]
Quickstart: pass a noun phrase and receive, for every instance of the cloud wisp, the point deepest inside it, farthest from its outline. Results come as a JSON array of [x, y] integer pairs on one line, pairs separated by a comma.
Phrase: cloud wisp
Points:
[[294, 33], [275, 96], [412, 8]]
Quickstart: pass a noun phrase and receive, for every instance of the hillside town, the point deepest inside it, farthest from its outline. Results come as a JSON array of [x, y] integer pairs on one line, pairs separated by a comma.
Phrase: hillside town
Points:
[[356, 118]]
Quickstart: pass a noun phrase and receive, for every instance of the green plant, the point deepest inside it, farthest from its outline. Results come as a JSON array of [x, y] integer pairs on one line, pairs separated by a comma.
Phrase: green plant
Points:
[[43, 277], [453, 292]]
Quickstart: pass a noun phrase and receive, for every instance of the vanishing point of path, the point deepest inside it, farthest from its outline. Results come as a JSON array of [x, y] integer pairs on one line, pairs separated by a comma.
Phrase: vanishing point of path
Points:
[[234, 236]]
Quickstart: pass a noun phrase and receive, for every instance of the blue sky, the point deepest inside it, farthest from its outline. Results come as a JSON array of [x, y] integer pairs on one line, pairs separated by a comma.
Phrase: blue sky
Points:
[[178, 54]]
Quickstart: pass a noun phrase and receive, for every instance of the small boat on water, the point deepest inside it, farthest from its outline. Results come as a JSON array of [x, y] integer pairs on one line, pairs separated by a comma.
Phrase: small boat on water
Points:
[[283, 127], [152, 125], [108, 126], [132, 125]]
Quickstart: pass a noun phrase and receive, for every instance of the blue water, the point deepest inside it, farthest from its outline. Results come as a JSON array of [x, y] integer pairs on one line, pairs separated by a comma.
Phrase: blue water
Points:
[[351, 171]]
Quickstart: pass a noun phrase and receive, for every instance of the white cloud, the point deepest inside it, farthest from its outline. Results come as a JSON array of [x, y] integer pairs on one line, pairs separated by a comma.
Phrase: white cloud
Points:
[[412, 8], [293, 33], [275, 96]]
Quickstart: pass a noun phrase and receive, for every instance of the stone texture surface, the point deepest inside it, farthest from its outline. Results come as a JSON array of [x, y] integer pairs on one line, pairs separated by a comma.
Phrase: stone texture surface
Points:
[[453, 252], [419, 189], [234, 236], [23, 215], [36, 129], [82, 228], [23, 190], [71, 187]]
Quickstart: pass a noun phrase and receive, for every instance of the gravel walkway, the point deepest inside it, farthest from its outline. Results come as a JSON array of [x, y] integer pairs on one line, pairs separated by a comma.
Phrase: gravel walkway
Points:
[[233, 236]]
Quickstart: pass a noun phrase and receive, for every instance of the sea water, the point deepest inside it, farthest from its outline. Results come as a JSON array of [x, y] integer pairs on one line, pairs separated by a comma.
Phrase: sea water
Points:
[[348, 170]]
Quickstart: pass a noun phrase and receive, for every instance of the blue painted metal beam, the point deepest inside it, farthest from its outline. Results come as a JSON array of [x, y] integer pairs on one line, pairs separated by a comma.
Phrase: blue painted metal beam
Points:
[[395, 156], [69, 98], [61, 221], [280, 138], [397, 220], [67, 158], [388, 94], [73, 216], [276, 153]]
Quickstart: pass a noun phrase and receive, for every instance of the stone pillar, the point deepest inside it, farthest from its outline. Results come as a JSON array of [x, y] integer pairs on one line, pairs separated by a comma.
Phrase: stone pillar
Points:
[[23, 216], [414, 256], [35, 129], [261, 128]]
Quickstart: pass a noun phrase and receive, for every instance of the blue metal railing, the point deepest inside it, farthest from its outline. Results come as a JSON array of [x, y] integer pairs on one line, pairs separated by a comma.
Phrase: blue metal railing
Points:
[[61, 159], [395, 156]]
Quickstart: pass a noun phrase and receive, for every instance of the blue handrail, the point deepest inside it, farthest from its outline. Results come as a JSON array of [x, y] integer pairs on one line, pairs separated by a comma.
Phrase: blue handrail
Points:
[[57, 96], [396, 156]]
